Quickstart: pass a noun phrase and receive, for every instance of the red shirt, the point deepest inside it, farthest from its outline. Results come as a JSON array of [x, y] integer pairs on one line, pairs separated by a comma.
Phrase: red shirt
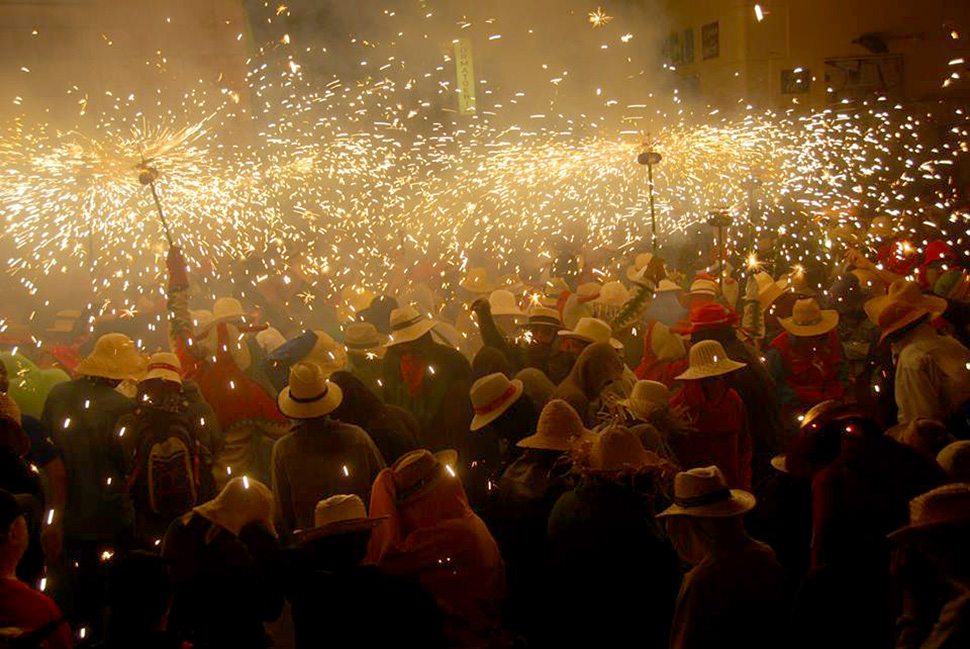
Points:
[[24, 608]]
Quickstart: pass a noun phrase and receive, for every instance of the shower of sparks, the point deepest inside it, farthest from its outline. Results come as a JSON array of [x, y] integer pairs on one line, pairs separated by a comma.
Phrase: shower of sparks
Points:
[[599, 18]]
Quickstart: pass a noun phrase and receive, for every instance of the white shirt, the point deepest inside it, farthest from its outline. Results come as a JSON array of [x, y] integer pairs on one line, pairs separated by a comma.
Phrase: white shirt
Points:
[[932, 375]]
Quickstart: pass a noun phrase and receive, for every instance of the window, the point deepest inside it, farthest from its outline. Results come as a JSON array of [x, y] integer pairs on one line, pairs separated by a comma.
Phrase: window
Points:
[[688, 45], [710, 41]]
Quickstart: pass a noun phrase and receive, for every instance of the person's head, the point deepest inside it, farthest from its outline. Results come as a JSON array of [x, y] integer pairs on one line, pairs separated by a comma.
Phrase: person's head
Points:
[[340, 533], [597, 367], [359, 404], [954, 459], [939, 528], [14, 535], [694, 537], [157, 391], [709, 367], [140, 594], [489, 360]]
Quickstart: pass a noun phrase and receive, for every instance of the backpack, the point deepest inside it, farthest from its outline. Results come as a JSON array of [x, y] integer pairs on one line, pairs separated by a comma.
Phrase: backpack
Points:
[[166, 478]]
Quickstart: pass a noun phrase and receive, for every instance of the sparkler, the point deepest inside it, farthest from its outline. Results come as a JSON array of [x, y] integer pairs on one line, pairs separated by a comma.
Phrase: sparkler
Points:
[[599, 18]]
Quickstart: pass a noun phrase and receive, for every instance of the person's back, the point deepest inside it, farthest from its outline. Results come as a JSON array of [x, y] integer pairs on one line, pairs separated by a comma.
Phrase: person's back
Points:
[[319, 458]]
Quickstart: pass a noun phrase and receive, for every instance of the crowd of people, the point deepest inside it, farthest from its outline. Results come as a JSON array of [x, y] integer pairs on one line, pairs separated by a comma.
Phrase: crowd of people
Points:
[[627, 455]]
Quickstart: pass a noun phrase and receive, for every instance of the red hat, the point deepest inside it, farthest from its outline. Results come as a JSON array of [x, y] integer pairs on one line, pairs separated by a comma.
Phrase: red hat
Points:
[[711, 316]]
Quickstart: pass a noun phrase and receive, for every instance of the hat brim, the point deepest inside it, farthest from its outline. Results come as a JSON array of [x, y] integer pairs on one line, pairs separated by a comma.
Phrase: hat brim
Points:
[[739, 503], [828, 322], [780, 463], [445, 458], [640, 408], [768, 296], [165, 375], [550, 443], [91, 366], [928, 305], [911, 532], [722, 367], [616, 344], [412, 333], [340, 527], [519, 313], [480, 421], [632, 272], [481, 289], [319, 408]]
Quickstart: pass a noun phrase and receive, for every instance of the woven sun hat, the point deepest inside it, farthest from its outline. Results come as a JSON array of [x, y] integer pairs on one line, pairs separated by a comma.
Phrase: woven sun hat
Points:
[[589, 289], [309, 394], [646, 397], [269, 339], [364, 338], [327, 353], [201, 318], [592, 330], [491, 396], [613, 294], [227, 309], [242, 501], [338, 514], [768, 289], [618, 449], [559, 429], [64, 322], [540, 316], [476, 280], [808, 319], [703, 287], [704, 492], [708, 359], [954, 459], [407, 324], [114, 357], [417, 473], [502, 302], [936, 509], [667, 285], [642, 261], [904, 304], [165, 366]]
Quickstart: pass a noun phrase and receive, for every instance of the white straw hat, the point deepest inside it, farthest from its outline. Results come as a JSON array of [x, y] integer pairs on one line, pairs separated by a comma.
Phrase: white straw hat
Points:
[[703, 287], [165, 366], [476, 280], [309, 394], [491, 396], [808, 319], [336, 515], [593, 330], [646, 397], [114, 357], [227, 308], [408, 324], [642, 261], [559, 428], [708, 359], [704, 492], [613, 294], [502, 302]]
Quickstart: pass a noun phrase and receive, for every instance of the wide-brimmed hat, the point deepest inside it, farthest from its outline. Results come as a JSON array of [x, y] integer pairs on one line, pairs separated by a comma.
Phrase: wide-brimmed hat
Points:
[[808, 319], [502, 302], [201, 319], [491, 396], [646, 397], [114, 357], [642, 261], [270, 339], [704, 492], [407, 324], [242, 501], [935, 509], [165, 366], [613, 294], [227, 309], [954, 459], [708, 359], [768, 289], [364, 338], [540, 316], [589, 289], [64, 322], [592, 330], [703, 287], [618, 450], [559, 428], [338, 515], [309, 394], [712, 315], [904, 304], [476, 280], [418, 472], [327, 353], [666, 285]]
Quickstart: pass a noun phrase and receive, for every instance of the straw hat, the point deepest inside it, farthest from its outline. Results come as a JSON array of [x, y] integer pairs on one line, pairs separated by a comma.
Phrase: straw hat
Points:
[[327, 353], [708, 359], [418, 472], [768, 289], [242, 501], [869, 281], [593, 330], [904, 304], [227, 308], [642, 261], [559, 428], [613, 294], [309, 394], [353, 300], [407, 325], [201, 318], [666, 285], [165, 366], [618, 449], [646, 397], [363, 338], [476, 280], [502, 302], [808, 319], [589, 289], [703, 287], [954, 459], [935, 509], [704, 492], [64, 322], [540, 316], [114, 357], [491, 396], [337, 515], [269, 339]]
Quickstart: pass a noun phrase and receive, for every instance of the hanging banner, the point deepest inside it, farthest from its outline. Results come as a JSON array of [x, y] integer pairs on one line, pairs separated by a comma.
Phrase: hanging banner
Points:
[[466, 76]]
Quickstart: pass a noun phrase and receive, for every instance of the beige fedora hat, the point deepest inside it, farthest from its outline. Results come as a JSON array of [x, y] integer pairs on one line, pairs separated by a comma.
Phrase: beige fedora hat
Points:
[[768, 289], [327, 353], [613, 294], [226, 309], [646, 397], [309, 394], [418, 473], [114, 357], [589, 289], [337, 515], [502, 302], [708, 359], [165, 366], [935, 509], [559, 428], [808, 319], [242, 501], [703, 287], [407, 324], [476, 280], [619, 450], [667, 285], [592, 330], [540, 316], [491, 396], [904, 304], [704, 492], [642, 261], [364, 338]]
